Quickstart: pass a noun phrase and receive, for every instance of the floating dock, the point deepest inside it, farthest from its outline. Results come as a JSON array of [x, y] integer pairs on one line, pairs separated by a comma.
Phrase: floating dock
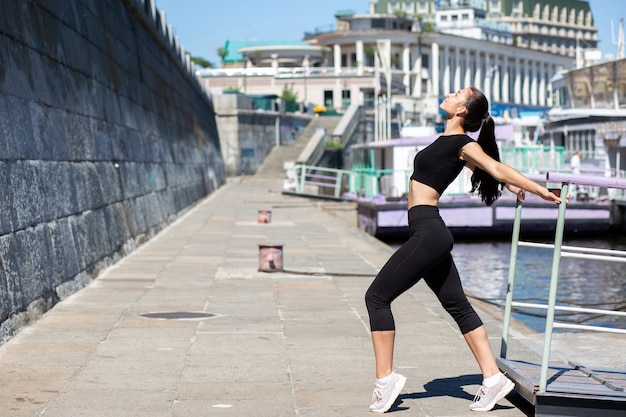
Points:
[[573, 389], [569, 389]]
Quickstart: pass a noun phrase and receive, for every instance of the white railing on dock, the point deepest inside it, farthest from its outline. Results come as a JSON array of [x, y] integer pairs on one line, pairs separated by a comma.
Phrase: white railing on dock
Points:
[[332, 182], [559, 251], [324, 182]]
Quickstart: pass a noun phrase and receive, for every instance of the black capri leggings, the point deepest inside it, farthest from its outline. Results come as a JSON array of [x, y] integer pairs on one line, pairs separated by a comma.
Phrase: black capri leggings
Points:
[[425, 255]]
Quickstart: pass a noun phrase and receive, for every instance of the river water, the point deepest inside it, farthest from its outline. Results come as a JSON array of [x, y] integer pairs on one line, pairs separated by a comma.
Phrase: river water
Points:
[[484, 270]]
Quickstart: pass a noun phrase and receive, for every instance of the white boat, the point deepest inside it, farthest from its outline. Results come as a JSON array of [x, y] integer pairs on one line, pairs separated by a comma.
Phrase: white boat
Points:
[[385, 168]]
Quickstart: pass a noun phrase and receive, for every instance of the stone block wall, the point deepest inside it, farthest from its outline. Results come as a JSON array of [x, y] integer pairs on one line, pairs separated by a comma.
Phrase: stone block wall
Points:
[[106, 136], [247, 135]]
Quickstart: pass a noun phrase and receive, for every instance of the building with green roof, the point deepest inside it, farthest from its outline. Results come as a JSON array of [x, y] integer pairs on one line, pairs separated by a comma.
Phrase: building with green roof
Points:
[[234, 57]]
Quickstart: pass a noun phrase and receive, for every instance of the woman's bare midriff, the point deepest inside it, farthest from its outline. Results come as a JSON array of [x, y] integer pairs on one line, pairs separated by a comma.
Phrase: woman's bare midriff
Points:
[[422, 194]]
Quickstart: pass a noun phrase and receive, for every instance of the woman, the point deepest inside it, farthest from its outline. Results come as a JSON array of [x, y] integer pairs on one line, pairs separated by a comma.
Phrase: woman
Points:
[[427, 253]]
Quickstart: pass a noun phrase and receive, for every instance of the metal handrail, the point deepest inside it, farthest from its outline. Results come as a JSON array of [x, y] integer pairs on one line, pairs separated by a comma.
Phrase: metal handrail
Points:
[[582, 252], [332, 178], [560, 251], [572, 309]]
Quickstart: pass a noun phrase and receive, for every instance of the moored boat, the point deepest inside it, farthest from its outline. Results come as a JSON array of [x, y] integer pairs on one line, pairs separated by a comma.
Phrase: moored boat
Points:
[[468, 217], [385, 167]]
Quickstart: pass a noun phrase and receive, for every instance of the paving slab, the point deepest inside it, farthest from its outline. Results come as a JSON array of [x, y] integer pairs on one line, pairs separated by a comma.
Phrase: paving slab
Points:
[[188, 326]]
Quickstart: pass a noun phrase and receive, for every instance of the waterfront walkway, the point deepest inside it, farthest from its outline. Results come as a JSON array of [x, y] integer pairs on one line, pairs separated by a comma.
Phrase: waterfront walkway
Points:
[[291, 343]]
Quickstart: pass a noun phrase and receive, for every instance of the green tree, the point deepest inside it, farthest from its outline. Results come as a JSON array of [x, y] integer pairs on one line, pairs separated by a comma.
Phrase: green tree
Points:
[[289, 95], [428, 27], [325, 52], [395, 61], [201, 62], [333, 145], [222, 53], [400, 13]]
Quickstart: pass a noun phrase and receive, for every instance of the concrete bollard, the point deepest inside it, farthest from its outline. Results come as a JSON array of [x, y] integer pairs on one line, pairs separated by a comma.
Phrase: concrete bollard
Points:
[[270, 258], [265, 216]]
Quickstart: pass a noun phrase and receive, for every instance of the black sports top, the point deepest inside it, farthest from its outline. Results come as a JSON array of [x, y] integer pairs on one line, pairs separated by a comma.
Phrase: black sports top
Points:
[[438, 164]]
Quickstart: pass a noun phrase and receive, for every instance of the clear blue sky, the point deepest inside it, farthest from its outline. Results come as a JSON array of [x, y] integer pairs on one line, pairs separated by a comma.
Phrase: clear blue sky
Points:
[[203, 26]]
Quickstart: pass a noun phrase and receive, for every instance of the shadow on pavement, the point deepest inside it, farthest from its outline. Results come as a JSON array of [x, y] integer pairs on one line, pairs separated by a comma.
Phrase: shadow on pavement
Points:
[[454, 387]]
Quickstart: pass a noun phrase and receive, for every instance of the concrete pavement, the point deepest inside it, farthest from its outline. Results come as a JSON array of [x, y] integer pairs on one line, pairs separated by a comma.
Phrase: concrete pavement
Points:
[[187, 326], [293, 343]]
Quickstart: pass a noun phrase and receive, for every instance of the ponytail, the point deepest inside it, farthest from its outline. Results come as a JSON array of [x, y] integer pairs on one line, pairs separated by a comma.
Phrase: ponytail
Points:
[[488, 187], [478, 117]]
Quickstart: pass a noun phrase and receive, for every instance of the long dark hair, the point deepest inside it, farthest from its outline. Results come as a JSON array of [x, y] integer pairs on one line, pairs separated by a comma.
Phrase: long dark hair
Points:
[[478, 117]]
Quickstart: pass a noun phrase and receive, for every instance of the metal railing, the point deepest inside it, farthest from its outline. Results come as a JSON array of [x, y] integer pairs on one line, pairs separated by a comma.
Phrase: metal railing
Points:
[[536, 159], [348, 124], [560, 251], [321, 181], [331, 182], [314, 149]]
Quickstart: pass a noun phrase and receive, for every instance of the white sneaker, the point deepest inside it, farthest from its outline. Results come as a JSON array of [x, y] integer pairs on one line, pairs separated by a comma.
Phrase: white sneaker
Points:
[[384, 398], [487, 397]]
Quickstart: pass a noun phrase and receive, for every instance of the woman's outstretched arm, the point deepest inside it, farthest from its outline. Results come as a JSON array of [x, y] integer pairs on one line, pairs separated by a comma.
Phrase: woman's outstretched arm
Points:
[[476, 157]]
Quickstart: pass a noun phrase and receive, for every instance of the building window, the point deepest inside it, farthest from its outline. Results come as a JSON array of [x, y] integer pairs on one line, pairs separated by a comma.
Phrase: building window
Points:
[[345, 98], [247, 152], [444, 18], [368, 98], [378, 24], [328, 98], [465, 16], [408, 5]]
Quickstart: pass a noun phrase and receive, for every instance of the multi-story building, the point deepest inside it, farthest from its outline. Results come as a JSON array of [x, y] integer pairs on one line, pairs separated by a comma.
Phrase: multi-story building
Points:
[[589, 115], [423, 10], [450, 46], [554, 26]]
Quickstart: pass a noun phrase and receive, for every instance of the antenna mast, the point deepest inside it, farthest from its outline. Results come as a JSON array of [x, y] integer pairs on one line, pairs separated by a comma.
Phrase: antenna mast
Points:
[[620, 39]]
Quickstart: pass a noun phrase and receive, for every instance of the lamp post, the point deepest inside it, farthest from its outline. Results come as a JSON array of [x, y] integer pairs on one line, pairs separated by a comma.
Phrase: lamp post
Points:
[[384, 53], [305, 67], [489, 84], [245, 68]]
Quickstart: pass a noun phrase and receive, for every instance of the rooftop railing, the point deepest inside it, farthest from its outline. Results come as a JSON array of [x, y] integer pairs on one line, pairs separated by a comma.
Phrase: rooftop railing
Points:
[[286, 72]]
